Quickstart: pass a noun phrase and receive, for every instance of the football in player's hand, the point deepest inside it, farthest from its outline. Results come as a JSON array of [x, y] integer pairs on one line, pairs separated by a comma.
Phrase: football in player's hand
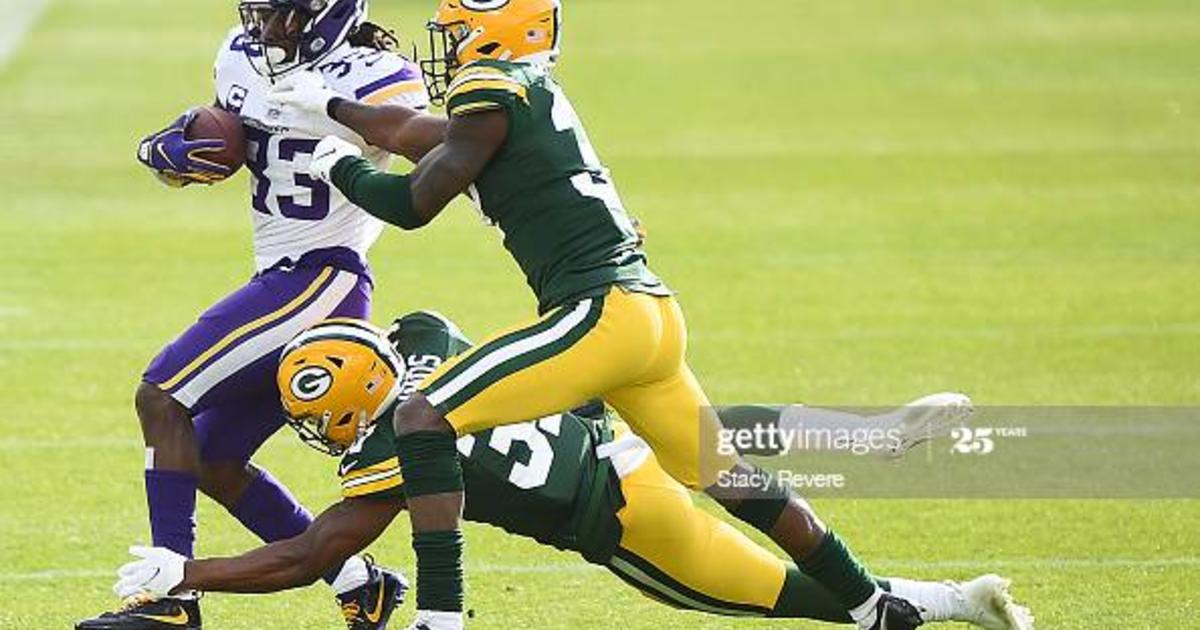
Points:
[[214, 123]]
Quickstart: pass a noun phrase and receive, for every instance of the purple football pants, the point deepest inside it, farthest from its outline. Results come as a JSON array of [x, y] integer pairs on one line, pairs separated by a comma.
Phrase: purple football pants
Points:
[[222, 369]]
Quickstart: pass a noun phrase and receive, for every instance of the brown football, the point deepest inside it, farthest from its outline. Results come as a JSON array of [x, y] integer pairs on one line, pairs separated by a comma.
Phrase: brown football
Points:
[[214, 123]]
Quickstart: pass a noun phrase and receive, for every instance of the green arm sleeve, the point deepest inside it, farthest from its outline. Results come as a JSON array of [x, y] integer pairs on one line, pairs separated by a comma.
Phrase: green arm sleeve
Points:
[[385, 196]]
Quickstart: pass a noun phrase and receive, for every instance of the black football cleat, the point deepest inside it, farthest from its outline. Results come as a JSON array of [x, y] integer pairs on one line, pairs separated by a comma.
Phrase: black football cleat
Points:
[[369, 606], [894, 613], [142, 613]]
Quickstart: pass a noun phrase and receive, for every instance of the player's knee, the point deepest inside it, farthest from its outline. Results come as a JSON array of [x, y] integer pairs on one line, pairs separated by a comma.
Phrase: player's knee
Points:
[[753, 495], [165, 422], [426, 448], [417, 415], [146, 399], [152, 403], [225, 482]]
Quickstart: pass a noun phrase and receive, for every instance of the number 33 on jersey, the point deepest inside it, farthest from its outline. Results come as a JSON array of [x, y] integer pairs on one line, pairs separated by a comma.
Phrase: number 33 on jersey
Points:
[[294, 213]]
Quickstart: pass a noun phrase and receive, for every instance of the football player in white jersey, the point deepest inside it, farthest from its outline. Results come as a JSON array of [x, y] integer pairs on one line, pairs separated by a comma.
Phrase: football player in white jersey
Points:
[[209, 400]]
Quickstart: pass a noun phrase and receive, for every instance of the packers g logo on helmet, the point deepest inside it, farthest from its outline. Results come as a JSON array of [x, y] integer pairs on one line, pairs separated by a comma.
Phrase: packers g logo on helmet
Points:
[[311, 383], [335, 379], [463, 31]]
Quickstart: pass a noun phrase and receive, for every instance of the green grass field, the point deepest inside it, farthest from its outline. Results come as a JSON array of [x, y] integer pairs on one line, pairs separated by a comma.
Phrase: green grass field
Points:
[[858, 202]]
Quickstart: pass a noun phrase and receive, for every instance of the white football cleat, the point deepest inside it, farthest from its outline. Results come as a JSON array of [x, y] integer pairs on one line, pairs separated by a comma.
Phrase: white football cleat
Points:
[[988, 604], [928, 417]]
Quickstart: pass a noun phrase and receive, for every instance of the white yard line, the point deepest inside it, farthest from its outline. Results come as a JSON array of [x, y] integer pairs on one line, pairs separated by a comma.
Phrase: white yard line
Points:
[[57, 574], [23, 444], [21, 19], [1043, 563], [566, 568], [67, 344]]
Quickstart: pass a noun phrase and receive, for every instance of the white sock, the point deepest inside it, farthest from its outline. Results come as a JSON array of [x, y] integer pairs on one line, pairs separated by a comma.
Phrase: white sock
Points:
[[864, 613], [821, 429], [353, 575], [941, 601]]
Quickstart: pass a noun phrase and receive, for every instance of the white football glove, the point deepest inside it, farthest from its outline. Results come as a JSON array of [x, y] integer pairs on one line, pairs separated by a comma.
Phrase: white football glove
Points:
[[437, 620], [157, 573], [305, 91], [328, 153]]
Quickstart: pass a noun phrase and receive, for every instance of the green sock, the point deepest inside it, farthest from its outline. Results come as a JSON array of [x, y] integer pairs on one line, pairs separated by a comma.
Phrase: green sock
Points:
[[803, 598], [834, 567], [439, 570], [429, 463]]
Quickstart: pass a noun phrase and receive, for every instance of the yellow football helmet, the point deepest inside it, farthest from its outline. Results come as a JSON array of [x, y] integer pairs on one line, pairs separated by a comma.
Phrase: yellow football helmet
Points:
[[335, 379], [463, 31]]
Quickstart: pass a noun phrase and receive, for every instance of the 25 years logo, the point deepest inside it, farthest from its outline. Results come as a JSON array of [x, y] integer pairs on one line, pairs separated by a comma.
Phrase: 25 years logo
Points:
[[982, 440]]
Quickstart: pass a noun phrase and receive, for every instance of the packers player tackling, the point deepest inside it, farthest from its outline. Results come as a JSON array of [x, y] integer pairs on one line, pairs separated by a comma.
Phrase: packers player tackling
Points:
[[578, 481]]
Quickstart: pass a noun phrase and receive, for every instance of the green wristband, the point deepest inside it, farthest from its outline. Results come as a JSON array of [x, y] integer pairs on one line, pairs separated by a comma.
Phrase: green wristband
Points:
[[386, 196]]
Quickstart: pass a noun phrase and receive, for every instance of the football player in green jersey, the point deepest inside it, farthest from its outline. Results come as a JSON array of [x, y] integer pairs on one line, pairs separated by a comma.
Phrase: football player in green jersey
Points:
[[608, 327], [577, 481]]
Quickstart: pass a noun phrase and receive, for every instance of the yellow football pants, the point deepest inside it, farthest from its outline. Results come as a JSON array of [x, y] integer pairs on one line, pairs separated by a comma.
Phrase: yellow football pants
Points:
[[683, 556], [624, 347]]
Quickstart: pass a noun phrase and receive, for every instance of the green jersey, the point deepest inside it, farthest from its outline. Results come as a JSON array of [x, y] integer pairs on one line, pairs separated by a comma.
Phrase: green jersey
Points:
[[540, 479], [546, 189]]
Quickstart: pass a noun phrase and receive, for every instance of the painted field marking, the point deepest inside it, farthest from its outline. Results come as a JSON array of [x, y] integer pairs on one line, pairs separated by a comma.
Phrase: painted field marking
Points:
[[21, 444], [567, 568], [21, 19], [57, 574]]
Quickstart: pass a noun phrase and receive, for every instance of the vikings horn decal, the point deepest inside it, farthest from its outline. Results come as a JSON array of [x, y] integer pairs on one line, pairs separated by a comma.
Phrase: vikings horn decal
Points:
[[484, 5], [311, 383]]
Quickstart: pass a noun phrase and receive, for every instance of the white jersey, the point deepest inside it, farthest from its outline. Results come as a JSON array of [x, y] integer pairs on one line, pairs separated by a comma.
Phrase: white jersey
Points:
[[293, 212]]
